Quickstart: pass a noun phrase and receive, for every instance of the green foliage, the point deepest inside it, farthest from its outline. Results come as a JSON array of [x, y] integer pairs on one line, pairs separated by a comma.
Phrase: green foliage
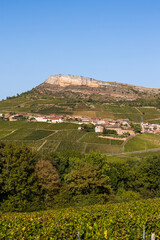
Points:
[[148, 177], [48, 179], [112, 221], [29, 181], [126, 196], [88, 127], [121, 175], [26, 183], [18, 185], [38, 134], [87, 179], [136, 127]]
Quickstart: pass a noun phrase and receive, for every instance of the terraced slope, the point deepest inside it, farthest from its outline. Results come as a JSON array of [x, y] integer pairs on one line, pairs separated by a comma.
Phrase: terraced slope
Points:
[[66, 136]]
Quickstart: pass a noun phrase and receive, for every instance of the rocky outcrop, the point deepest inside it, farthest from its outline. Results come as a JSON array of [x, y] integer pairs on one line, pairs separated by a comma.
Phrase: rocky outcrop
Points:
[[67, 80], [70, 86], [71, 80]]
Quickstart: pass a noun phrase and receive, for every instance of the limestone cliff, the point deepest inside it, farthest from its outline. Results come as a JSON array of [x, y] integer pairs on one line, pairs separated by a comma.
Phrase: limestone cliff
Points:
[[66, 80], [70, 86]]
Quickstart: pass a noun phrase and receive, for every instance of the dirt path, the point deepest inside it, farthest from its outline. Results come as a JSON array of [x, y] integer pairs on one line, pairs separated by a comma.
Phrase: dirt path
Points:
[[138, 110], [78, 140], [107, 137], [57, 146], [153, 119], [9, 133], [85, 146], [41, 145], [140, 151]]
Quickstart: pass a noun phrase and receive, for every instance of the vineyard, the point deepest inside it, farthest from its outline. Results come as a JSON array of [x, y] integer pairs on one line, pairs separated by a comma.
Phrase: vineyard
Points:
[[62, 137], [112, 221]]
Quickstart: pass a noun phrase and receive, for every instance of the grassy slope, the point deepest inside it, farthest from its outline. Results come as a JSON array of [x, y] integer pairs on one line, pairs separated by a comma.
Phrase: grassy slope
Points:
[[50, 105], [142, 142], [66, 136], [57, 137]]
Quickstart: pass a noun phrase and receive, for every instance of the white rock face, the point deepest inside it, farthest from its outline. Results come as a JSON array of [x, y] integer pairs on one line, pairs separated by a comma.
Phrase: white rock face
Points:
[[66, 80], [70, 80]]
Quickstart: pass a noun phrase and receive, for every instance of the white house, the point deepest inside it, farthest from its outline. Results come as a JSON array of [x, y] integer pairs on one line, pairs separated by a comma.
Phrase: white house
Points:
[[41, 119], [99, 128]]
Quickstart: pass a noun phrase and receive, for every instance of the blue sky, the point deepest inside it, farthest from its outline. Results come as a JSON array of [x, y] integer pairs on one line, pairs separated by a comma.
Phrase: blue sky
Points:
[[110, 40]]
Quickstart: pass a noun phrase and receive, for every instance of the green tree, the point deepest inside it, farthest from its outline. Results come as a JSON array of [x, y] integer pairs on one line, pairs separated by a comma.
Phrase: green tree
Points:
[[121, 176], [18, 184], [88, 180], [148, 177], [48, 180], [136, 127], [88, 127]]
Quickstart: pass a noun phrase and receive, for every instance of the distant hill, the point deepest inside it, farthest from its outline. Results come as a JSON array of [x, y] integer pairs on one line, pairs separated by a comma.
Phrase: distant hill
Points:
[[69, 84], [76, 95]]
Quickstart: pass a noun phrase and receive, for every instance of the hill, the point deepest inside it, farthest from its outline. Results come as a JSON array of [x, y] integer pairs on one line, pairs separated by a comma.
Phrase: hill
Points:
[[73, 95], [88, 88]]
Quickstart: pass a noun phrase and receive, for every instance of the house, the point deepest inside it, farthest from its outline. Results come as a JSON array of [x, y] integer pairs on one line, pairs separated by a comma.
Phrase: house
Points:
[[124, 122], [55, 120], [41, 119], [121, 130], [6, 116], [15, 117], [99, 129], [157, 132], [100, 121]]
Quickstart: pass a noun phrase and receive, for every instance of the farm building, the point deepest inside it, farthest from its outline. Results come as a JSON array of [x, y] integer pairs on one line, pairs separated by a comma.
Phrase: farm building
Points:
[[99, 128]]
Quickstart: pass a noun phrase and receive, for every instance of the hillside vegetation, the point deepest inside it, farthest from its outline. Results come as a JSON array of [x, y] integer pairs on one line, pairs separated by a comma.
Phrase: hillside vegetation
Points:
[[61, 137], [83, 107], [73, 95], [111, 221], [35, 181]]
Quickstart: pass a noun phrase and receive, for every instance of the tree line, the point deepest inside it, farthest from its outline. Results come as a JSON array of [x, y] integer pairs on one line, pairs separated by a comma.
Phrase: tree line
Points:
[[32, 181]]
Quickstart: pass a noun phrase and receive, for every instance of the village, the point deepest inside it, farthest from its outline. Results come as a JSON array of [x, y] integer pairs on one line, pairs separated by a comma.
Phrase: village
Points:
[[122, 127]]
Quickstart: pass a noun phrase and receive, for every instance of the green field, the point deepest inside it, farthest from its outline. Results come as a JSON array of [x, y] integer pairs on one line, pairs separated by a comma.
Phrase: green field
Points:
[[93, 138], [70, 146], [121, 112], [70, 135], [104, 148], [66, 136], [142, 142], [38, 134], [57, 137], [149, 113], [50, 146], [19, 134], [61, 126], [111, 221], [3, 133]]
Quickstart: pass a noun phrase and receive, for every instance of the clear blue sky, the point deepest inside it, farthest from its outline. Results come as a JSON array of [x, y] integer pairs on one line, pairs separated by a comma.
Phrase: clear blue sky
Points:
[[110, 40]]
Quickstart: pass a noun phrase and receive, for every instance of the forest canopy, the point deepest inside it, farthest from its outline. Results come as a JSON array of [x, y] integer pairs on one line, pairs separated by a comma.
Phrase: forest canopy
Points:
[[32, 181]]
